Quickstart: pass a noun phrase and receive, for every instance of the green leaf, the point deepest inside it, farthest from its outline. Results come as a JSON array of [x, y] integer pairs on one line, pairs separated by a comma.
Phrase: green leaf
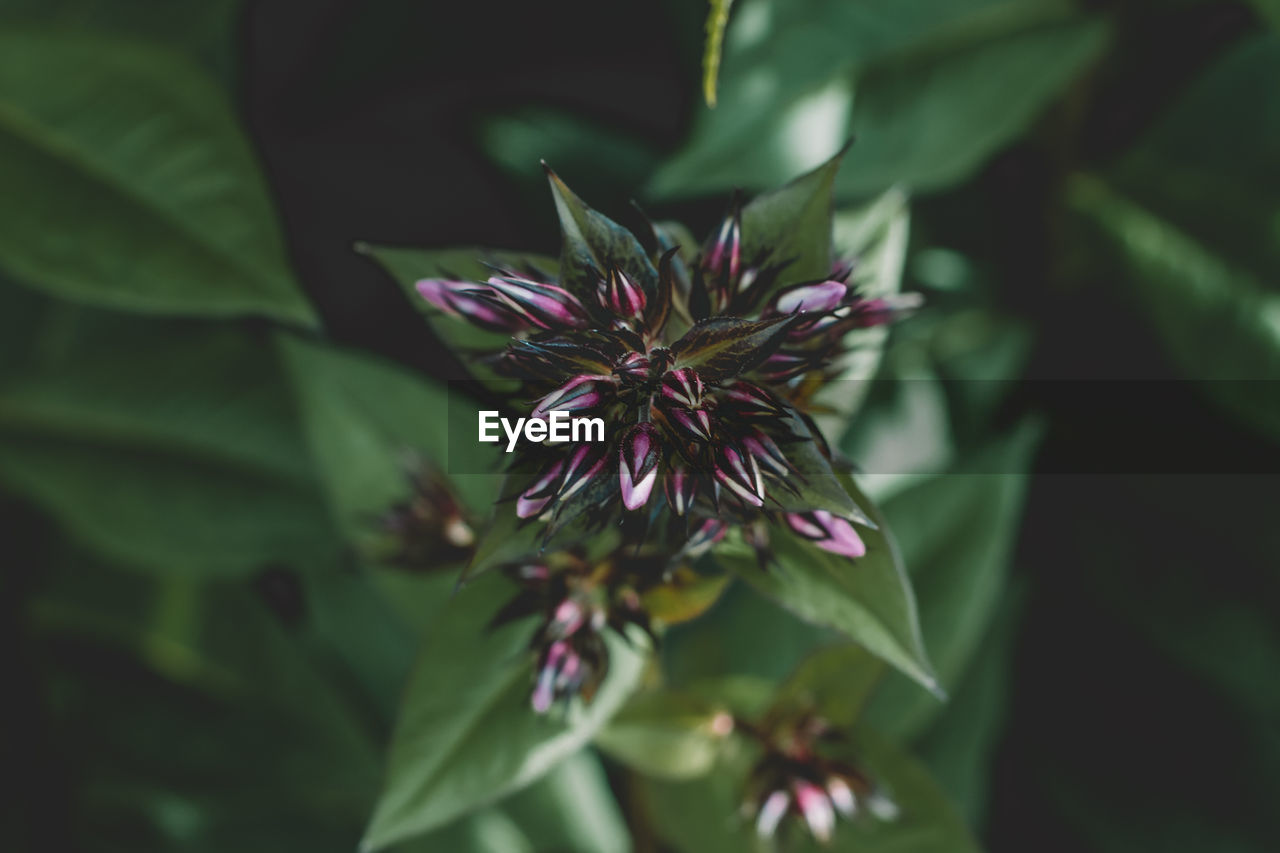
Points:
[[593, 243], [835, 681], [923, 86], [793, 224], [960, 746], [466, 735], [665, 733], [957, 532], [717, 23], [1219, 323], [179, 452], [363, 417], [720, 348], [130, 185], [175, 689], [571, 810], [876, 237], [868, 599]]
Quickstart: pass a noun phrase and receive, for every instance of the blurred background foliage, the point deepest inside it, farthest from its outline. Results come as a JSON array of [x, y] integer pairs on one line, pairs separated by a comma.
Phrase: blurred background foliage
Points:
[[202, 657]]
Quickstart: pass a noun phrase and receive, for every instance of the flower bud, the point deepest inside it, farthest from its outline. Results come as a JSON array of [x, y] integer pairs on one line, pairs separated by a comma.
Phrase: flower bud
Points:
[[568, 617], [842, 796], [813, 297], [633, 367], [621, 296], [681, 488], [740, 474], [725, 254], [694, 422], [771, 813], [682, 387], [766, 453], [546, 306], [535, 498], [476, 303], [751, 401], [707, 534], [585, 465], [553, 661], [815, 808], [581, 392], [638, 464], [883, 310], [829, 532]]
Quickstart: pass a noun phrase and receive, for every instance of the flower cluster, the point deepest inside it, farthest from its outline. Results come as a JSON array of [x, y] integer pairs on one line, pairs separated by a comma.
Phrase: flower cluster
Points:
[[429, 528], [578, 598], [795, 778], [702, 366]]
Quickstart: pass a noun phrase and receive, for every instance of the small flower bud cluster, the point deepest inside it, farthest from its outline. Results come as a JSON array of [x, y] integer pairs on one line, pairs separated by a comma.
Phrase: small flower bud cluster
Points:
[[578, 599], [429, 529], [795, 778]]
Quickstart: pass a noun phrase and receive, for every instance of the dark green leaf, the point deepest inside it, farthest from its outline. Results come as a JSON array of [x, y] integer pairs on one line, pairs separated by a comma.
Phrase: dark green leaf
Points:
[[571, 809], [666, 733], [129, 184], [957, 532], [719, 348], [365, 419], [793, 225], [876, 237], [1220, 323], [924, 88], [868, 599], [815, 484], [835, 681], [594, 243], [466, 735], [173, 446]]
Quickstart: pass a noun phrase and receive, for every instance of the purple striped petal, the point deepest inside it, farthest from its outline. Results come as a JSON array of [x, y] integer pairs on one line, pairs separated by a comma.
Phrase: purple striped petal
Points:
[[816, 809], [814, 298]]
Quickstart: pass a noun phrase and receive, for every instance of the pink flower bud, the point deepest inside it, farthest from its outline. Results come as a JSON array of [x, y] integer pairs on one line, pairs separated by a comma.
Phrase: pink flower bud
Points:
[[695, 422], [751, 401], [771, 813], [634, 366], [535, 498], [816, 809], [581, 392], [766, 452], [814, 298], [621, 296], [707, 534], [638, 464], [585, 465], [476, 303], [680, 487], [544, 692], [842, 796], [568, 617], [725, 255], [740, 474], [888, 309], [829, 532], [682, 387], [547, 306]]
